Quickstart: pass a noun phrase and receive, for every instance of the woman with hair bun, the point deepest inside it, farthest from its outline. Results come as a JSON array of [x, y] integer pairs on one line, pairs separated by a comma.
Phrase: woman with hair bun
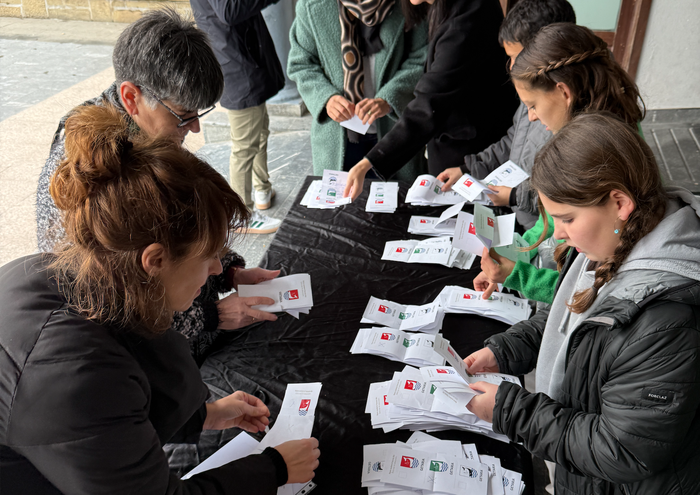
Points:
[[95, 381], [617, 358]]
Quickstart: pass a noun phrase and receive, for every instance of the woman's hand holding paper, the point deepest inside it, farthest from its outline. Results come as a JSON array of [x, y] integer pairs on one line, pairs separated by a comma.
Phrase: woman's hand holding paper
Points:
[[236, 312], [482, 405], [239, 409]]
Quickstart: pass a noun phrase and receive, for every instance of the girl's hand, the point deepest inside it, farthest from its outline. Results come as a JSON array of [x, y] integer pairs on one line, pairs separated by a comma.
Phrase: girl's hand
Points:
[[340, 109], [356, 179], [482, 405], [236, 312], [481, 361], [501, 196], [369, 110], [239, 409], [301, 457], [449, 176], [496, 267], [252, 276]]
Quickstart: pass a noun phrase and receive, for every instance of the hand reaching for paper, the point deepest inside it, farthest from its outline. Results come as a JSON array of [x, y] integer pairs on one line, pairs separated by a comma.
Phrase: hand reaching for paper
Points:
[[481, 361], [239, 409], [482, 405], [500, 196], [356, 179], [236, 312], [301, 457], [371, 109], [495, 270], [449, 176]]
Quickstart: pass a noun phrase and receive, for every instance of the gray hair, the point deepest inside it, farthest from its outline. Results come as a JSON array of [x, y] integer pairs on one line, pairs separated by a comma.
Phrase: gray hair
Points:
[[167, 54]]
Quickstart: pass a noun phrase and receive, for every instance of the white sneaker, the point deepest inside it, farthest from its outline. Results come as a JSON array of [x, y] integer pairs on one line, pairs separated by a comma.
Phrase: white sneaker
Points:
[[261, 224], [263, 199]]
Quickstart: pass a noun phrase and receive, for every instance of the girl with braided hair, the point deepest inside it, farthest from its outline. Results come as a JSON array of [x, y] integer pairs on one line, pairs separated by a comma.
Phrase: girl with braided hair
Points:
[[617, 405], [564, 71]]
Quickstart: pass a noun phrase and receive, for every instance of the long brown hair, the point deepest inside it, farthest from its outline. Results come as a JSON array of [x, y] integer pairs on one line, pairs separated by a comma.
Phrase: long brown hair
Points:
[[118, 194], [591, 156], [571, 54]]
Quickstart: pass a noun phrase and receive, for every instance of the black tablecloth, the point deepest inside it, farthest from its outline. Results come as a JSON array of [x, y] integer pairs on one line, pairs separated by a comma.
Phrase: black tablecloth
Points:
[[341, 249]]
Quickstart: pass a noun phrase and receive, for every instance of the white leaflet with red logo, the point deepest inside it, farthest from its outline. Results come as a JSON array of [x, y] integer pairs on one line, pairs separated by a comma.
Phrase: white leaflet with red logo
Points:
[[425, 318], [332, 188], [426, 190], [409, 389], [292, 292], [431, 226], [378, 407], [416, 349], [438, 250], [383, 197], [406, 467], [465, 235], [507, 175], [502, 307], [470, 187], [312, 197]]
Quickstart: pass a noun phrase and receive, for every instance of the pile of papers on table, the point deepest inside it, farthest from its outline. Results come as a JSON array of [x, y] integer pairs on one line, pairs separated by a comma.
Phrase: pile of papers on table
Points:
[[383, 197], [328, 192], [292, 294], [475, 190], [502, 307], [427, 465], [439, 251], [431, 398], [417, 349], [426, 191], [431, 226], [426, 318]]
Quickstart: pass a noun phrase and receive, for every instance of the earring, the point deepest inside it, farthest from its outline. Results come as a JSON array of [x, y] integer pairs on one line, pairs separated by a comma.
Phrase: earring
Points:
[[617, 231]]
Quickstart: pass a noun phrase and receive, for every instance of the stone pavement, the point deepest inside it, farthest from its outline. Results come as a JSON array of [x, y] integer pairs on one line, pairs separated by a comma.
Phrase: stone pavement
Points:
[[48, 67]]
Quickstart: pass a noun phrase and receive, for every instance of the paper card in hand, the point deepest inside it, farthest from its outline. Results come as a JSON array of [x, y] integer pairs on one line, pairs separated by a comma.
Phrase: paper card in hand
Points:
[[507, 175], [333, 186], [291, 292], [493, 230], [465, 235]]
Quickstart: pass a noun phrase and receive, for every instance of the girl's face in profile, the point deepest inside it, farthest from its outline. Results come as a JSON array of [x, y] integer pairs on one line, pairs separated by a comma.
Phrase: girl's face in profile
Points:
[[183, 280], [549, 107]]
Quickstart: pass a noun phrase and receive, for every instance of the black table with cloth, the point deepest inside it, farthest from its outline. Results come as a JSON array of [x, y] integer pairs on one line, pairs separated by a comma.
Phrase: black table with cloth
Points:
[[341, 249]]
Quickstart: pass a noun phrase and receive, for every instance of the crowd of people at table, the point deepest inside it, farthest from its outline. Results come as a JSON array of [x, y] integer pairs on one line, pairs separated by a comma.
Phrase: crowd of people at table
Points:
[[103, 331]]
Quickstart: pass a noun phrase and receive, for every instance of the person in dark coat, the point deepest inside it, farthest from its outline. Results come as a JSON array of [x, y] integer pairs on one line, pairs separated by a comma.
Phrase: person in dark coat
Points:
[[617, 402], [464, 101], [94, 380], [252, 75], [165, 74]]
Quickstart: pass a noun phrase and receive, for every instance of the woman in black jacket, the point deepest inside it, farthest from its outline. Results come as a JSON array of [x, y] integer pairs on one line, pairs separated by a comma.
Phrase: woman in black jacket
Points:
[[617, 357], [94, 381], [464, 101]]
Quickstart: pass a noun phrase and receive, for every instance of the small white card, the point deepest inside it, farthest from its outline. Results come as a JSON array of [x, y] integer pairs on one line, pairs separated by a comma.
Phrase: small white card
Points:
[[355, 124], [290, 293], [383, 197]]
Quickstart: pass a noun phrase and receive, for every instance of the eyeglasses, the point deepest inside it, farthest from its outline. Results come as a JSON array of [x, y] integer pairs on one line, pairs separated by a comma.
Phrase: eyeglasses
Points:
[[183, 122]]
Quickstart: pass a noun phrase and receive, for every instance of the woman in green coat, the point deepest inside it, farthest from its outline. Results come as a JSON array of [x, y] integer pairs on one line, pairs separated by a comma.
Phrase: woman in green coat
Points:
[[354, 61]]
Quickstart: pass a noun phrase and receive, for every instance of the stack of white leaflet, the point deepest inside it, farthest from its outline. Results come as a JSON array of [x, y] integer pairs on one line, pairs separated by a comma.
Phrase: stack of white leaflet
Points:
[[329, 194], [439, 251], [426, 465], [431, 226], [426, 318], [291, 294], [409, 348], [502, 307], [426, 190], [432, 398], [383, 197], [475, 190]]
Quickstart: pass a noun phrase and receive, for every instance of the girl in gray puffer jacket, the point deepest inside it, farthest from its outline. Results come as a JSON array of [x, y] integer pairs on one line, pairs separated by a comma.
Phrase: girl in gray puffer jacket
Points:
[[617, 406]]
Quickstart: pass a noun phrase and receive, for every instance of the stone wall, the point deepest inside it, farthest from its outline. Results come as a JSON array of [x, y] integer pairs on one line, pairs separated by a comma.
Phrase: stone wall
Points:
[[86, 10]]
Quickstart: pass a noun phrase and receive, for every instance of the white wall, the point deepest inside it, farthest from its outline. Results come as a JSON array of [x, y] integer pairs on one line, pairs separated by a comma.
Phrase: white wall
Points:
[[669, 68]]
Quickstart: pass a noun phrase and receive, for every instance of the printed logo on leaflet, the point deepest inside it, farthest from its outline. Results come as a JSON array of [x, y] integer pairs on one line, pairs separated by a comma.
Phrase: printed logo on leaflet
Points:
[[291, 295], [401, 250], [439, 466], [472, 229], [433, 388], [331, 192], [304, 407], [409, 343], [384, 309], [377, 466], [409, 462], [423, 221], [468, 472], [425, 311], [388, 336], [468, 183], [445, 371], [469, 296], [505, 481], [411, 385], [452, 352], [404, 316], [419, 250], [489, 221], [379, 202], [424, 182], [386, 402]]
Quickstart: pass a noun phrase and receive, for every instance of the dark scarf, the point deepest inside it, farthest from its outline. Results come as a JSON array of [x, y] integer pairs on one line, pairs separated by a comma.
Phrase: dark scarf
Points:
[[358, 39]]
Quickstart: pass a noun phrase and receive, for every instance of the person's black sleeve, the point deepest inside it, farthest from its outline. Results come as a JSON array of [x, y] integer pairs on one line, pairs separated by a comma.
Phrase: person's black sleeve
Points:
[[233, 12]]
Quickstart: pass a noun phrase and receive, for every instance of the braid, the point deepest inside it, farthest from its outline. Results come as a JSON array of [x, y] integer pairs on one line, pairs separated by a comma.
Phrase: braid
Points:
[[576, 58]]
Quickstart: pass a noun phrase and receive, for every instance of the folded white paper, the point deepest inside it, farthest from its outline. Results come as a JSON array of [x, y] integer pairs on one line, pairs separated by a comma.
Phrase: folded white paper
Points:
[[355, 124], [508, 174], [438, 251], [240, 446], [425, 318], [493, 230], [426, 191], [333, 186], [291, 293], [507, 308]]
